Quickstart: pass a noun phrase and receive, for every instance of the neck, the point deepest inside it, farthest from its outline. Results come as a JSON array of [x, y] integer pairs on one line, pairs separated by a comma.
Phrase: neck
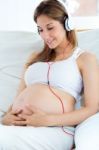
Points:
[[64, 51]]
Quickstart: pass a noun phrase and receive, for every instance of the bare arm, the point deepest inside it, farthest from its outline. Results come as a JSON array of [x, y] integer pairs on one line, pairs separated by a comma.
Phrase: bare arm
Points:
[[90, 72]]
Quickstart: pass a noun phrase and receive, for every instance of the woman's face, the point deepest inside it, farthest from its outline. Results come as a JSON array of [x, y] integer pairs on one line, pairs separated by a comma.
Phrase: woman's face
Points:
[[51, 31]]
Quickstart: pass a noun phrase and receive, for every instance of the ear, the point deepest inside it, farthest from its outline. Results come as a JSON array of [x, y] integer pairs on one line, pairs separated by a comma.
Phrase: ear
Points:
[[69, 23]]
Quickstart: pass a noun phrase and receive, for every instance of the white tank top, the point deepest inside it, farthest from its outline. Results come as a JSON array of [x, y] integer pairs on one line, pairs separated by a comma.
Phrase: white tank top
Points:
[[64, 74]]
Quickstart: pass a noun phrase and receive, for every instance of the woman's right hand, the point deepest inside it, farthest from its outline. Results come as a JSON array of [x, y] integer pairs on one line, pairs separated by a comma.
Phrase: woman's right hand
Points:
[[10, 117]]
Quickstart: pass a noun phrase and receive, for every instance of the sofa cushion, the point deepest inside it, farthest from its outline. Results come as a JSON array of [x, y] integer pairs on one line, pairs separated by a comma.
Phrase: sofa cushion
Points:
[[15, 48], [89, 40]]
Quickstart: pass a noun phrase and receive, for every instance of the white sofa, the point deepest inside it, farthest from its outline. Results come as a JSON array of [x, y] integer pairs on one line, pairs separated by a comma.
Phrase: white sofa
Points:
[[16, 46]]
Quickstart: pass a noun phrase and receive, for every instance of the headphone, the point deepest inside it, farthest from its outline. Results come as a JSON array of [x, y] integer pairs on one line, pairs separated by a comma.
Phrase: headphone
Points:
[[69, 24]]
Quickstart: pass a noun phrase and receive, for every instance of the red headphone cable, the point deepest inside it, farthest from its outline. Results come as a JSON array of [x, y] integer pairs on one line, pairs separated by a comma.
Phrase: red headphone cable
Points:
[[56, 95]]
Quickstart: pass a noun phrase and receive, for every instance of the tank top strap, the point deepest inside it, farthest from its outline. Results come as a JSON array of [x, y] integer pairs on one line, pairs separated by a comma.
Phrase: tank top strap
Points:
[[77, 52]]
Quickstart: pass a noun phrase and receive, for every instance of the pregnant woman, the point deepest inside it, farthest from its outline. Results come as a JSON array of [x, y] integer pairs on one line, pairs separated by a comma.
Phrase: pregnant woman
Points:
[[43, 115]]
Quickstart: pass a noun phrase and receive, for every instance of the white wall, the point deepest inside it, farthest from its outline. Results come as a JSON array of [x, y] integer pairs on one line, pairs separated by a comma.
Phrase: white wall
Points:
[[18, 15]]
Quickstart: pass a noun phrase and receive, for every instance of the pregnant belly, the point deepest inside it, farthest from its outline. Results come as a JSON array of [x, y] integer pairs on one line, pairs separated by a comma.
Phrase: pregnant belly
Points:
[[40, 96]]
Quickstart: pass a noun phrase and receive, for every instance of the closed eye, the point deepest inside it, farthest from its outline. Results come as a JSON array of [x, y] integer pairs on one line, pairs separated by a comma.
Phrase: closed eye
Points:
[[41, 30], [50, 28]]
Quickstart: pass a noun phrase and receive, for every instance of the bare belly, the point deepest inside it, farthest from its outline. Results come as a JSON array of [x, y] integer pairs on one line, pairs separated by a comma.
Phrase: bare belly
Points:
[[40, 96]]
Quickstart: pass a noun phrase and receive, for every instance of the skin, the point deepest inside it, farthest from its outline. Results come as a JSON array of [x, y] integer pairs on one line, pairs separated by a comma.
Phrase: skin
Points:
[[54, 35]]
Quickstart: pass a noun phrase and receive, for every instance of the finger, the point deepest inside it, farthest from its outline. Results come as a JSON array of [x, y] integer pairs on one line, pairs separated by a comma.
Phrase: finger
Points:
[[19, 123], [23, 116], [15, 117], [16, 112], [18, 118]]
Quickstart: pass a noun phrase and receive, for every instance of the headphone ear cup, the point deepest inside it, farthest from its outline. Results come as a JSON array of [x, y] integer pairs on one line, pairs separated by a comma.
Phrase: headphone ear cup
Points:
[[69, 24]]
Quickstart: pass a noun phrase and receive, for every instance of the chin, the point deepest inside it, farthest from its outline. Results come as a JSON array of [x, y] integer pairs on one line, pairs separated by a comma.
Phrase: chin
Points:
[[52, 46]]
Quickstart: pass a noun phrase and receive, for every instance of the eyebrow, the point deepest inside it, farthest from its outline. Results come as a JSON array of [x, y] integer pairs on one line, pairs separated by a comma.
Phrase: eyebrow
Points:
[[46, 25]]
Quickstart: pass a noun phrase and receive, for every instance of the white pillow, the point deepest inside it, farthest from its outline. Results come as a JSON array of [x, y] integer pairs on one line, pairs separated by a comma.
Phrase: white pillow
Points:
[[15, 48]]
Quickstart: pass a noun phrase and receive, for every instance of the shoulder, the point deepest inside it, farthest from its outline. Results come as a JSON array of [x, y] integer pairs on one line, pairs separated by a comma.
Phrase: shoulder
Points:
[[87, 56], [87, 59]]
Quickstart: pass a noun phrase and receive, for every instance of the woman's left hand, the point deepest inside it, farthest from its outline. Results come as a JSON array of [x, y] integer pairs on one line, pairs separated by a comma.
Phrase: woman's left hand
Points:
[[37, 118]]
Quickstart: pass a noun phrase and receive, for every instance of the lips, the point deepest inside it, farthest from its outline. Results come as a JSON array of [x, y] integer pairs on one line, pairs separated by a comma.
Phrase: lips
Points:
[[49, 42]]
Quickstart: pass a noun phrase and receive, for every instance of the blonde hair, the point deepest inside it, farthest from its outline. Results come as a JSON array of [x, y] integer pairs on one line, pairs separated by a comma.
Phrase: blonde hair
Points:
[[55, 10]]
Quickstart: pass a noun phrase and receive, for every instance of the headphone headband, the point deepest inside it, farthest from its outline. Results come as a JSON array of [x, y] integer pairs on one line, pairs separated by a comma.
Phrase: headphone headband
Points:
[[69, 24]]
